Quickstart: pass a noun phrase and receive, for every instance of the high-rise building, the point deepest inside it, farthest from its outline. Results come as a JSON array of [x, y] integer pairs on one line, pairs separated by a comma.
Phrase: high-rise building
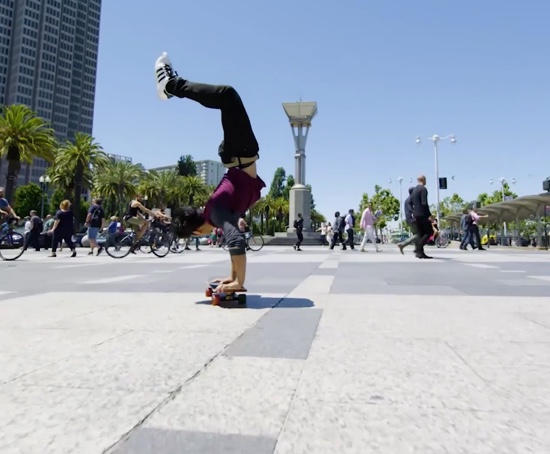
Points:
[[210, 172], [48, 61]]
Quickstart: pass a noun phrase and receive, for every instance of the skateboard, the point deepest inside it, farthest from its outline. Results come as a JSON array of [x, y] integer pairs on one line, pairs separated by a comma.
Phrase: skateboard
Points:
[[217, 298]]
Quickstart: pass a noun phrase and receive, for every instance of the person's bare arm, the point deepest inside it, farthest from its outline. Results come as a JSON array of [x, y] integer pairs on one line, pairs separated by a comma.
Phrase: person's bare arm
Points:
[[11, 212], [136, 204], [56, 222]]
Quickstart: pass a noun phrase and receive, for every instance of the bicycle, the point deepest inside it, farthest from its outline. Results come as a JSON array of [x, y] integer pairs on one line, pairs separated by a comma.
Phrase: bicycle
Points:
[[177, 245], [442, 241], [252, 242], [155, 238], [11, 240]]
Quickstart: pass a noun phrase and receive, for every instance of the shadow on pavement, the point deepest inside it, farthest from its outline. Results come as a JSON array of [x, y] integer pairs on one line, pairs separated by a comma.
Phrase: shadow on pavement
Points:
[[259, 302]]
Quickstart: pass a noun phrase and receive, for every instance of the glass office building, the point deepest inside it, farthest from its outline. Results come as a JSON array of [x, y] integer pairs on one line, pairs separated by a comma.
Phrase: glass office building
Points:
[[48, 61]]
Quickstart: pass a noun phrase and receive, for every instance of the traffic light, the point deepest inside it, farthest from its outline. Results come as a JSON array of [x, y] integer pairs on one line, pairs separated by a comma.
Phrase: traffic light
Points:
[[443, 183]]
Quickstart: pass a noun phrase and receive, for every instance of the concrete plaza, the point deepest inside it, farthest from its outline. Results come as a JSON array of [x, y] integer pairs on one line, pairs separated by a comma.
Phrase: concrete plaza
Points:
[[337, 352]]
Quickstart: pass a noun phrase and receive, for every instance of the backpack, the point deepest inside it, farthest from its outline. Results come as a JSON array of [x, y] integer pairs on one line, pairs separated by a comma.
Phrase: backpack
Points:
[[38, 225], [469, 219], [296, 224], [95, 215]]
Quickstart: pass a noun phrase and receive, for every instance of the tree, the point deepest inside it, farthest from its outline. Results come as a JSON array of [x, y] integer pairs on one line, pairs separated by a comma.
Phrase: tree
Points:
[[118, 182], [186, 166], [27, 198], [80, 159], [288, 186], [496, 196], [23, 136], [278, 184], [311, 201], [449, 205], [488, 199]]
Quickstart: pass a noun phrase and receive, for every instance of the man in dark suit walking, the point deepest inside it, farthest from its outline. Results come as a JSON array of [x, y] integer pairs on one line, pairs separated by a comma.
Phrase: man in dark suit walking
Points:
[[421, 212]]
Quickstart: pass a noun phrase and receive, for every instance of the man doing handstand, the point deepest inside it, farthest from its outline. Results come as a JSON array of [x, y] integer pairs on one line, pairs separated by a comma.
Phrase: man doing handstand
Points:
[[240, 187]]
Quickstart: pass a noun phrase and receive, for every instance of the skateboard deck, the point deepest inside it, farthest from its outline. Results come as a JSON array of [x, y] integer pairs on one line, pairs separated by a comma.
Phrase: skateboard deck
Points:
[[237, 296]]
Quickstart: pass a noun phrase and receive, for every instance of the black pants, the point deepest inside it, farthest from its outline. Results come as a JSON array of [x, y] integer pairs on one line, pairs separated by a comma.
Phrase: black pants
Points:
[[425, 231], [300, 236], [58, 237], [351, 240], [474, 231], [238, 138], [335, 237], [33, 240]]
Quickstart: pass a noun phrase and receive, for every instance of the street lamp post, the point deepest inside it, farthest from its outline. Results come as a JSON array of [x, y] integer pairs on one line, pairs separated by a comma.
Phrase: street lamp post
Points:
[[503, 181], [400, 179], [44, 182], [435, 139]]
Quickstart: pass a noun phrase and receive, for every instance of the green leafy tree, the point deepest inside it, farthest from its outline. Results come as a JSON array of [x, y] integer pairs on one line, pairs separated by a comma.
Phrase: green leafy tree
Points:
[[312, 200], [496, 196], [80, 158], [288, 186], [278, 184], [485, 199], [23, 136], [27, 198], [449, 205], [57, 197], [186, 166]]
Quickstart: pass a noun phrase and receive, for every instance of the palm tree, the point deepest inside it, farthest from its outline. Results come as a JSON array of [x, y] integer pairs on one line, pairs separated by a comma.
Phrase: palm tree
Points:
[[23, 136], [203, 197], [118, 181], [190, 191], [159, 187], [81, 158], [280, 209]]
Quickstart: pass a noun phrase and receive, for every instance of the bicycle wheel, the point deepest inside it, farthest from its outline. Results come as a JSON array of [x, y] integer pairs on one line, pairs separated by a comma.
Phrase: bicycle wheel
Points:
[[177, 245], [120, 246], [160, 244], [442, 241], [255, 243], [12, 246]]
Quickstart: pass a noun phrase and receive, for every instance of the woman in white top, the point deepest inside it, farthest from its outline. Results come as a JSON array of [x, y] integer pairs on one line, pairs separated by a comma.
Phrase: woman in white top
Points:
[[329, 233], [323, 231]]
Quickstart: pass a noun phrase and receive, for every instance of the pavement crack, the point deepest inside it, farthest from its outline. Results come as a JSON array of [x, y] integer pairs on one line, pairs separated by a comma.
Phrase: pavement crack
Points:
[[112, 338], [537, 323], [173, 394], [466, 362]]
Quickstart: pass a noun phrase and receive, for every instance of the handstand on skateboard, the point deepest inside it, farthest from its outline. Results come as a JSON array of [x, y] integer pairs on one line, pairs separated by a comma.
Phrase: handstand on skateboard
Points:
[[217, 298]]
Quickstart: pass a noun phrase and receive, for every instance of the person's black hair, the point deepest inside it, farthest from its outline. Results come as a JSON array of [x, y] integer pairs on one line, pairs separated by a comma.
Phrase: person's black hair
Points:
[[337, 214], [99, 201], [185, 220], [411, 189]]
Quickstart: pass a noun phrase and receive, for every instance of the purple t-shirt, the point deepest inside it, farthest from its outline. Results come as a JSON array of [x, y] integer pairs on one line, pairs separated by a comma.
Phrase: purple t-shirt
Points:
[[237, 191]]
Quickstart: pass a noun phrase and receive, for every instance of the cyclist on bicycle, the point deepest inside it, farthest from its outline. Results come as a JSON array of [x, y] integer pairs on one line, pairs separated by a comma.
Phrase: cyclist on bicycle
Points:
[[5, 207], [135, 218]]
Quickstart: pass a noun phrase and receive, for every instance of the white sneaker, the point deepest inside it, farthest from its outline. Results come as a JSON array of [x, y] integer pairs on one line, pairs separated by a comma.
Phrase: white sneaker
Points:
[[163, 74]]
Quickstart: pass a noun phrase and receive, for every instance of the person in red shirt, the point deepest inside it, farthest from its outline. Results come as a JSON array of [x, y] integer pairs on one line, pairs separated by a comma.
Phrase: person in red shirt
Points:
[[239, 189]]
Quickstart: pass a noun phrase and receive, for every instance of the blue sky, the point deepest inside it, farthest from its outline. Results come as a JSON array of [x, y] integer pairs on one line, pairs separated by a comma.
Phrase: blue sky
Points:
[[381, 72]]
